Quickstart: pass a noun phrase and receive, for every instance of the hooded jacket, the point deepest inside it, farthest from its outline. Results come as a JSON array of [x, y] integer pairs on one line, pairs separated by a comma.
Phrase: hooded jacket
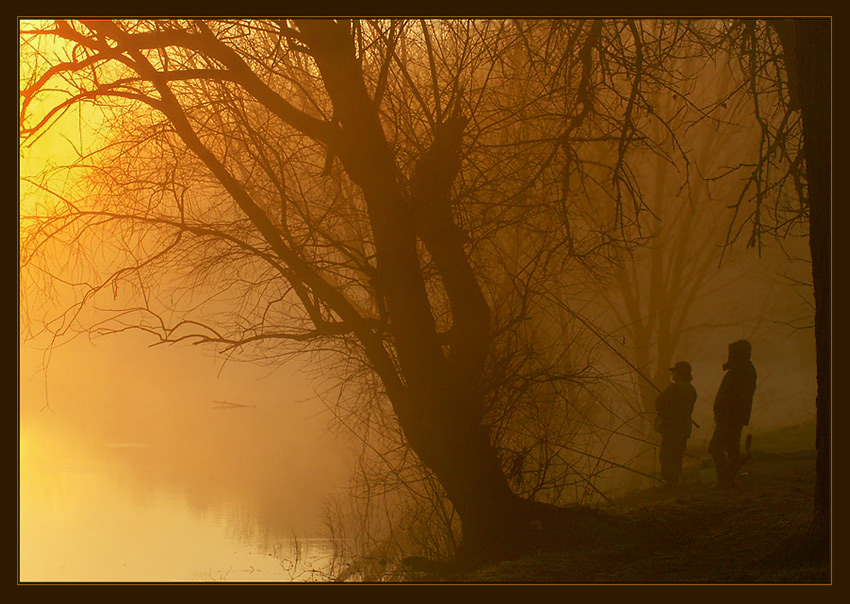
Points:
[[734, 401]]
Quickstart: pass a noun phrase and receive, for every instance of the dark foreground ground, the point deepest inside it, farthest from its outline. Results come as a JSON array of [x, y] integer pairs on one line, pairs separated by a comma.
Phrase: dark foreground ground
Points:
[[755, 533]]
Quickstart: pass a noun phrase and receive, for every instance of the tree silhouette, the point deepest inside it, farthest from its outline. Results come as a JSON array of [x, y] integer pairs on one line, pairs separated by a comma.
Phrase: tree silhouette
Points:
[[664, 294], [355, 186], [810, 64]]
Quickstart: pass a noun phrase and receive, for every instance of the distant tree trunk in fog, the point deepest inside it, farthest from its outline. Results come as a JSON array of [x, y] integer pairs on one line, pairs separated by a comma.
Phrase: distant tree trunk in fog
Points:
[[813, 70], [656, 303], [659, 287], [659, 304]]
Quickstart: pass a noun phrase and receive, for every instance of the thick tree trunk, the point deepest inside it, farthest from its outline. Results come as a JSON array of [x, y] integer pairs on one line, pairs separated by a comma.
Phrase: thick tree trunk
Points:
[[813, 62], [439, 406], [458, 450], [439, 409], [497, 524]]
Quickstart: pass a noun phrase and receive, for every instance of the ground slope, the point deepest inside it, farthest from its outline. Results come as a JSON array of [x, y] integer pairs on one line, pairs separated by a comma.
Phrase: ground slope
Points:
[[756, 533]]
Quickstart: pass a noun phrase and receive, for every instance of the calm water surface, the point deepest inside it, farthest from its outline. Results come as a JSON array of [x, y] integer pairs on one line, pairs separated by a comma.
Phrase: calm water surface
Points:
[[136, 471], [85, 520]]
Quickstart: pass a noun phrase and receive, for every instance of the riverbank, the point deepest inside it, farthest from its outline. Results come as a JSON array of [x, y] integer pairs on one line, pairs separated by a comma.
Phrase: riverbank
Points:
[[755, 533]]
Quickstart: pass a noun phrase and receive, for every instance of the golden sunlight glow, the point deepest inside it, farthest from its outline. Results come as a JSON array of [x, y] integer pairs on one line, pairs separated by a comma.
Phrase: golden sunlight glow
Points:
[[113, 489], [110, 486], [81, 522], [405, 293], [68, 136]]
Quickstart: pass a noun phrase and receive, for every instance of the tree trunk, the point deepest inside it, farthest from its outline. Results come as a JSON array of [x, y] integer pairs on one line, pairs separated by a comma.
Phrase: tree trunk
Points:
[[458, 450], [439, 408], [813, 62]]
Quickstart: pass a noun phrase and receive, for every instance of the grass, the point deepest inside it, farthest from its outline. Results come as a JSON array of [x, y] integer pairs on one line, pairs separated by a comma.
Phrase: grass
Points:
[[756, 533]]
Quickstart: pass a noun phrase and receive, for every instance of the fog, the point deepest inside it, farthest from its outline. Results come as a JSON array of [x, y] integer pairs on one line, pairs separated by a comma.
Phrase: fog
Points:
[[152, 415], [256, 446], [764, 299], [222, 310]]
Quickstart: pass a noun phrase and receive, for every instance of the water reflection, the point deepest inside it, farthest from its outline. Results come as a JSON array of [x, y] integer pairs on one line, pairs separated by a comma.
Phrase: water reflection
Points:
[[134, 474], [81, 520]]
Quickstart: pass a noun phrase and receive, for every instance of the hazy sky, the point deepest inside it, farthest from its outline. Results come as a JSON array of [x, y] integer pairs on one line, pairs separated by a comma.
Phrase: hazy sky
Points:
[[145, 420]]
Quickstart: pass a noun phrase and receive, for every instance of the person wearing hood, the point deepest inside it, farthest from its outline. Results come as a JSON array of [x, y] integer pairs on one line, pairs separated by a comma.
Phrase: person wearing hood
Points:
[[732, 408], [674, 407]]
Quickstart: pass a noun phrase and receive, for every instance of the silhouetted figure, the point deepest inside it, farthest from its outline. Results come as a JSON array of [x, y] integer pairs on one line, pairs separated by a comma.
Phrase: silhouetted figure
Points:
[[732, 407], [674, 407]]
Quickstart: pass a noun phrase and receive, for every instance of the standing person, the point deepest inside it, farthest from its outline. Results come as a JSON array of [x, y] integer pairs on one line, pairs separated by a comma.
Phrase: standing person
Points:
[[674, 407], [732, 407]]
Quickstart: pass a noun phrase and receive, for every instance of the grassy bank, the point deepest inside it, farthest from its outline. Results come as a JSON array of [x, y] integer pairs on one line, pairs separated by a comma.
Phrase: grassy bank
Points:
[[756, 533]]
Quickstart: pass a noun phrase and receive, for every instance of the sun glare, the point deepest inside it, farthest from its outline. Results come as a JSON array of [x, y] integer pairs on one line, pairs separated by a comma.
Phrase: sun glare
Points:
[[45, 158]]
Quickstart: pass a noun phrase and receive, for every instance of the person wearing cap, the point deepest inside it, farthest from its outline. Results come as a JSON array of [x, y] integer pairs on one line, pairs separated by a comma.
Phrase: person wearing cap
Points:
[[732, 408], [674, 407]]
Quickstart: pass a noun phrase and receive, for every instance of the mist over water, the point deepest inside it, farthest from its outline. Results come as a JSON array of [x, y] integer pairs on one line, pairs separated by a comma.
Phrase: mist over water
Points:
[[160, 464], [135, 472]]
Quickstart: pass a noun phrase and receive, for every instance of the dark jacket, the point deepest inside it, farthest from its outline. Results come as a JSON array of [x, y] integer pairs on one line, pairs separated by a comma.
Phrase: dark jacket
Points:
[[675, 406], [734, 401]]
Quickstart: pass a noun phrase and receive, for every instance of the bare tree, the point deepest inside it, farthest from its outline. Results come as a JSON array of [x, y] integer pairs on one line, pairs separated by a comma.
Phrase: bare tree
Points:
[[812, 67], [662, 293], [366, 188]]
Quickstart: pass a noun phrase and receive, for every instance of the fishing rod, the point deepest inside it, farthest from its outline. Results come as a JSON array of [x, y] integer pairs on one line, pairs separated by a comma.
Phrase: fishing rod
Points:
[[614, 350]]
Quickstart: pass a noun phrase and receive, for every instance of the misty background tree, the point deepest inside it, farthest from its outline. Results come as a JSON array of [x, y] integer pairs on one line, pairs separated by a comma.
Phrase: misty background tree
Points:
[[665, 298], [401, 193]]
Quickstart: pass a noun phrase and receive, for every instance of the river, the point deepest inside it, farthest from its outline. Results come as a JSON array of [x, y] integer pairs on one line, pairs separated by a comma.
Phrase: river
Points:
[[124, 478]]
